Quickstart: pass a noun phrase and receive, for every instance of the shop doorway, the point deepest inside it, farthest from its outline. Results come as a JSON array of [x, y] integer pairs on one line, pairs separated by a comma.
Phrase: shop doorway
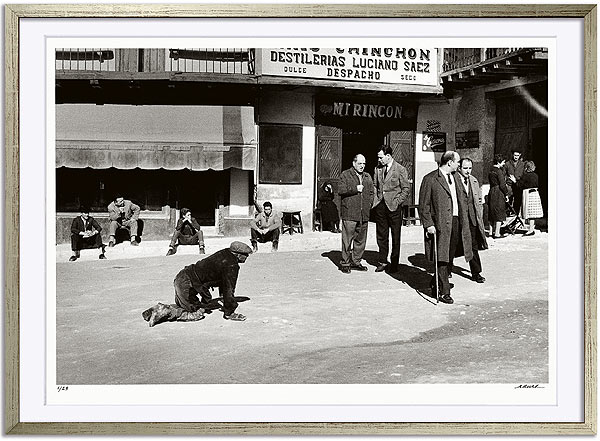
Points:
[[364, 142], [336, 148]]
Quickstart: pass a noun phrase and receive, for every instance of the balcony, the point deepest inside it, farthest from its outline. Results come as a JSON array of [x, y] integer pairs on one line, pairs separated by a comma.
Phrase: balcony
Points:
[[468, 67], [211, 60], [99, 60], [226, 61]]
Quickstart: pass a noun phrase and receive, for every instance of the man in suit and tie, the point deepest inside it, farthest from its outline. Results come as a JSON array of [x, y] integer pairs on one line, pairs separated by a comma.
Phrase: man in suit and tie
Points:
[[356, 191], [469, 185], [85, 234], [391, 191], [443, 211]]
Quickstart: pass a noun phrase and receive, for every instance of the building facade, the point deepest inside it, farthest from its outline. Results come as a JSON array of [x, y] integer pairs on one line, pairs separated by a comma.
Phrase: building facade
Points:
[[215, 129]]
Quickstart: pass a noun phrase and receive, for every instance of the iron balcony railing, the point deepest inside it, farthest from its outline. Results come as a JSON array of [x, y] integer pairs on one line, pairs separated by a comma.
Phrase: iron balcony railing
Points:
[[211, 60], [198, 60], [86, 59], [457, 58]]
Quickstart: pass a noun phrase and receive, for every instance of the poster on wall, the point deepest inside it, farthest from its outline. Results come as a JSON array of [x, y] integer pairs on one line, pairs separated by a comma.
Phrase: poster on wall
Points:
[[434, 141]]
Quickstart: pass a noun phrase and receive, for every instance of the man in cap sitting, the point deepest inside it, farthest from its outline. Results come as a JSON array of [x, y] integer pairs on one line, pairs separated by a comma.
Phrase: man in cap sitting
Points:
[[217, 270]]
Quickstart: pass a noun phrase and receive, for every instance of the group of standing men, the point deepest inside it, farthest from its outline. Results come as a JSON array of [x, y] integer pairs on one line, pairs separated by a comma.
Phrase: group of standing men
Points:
[[385, 194], [451, 212]]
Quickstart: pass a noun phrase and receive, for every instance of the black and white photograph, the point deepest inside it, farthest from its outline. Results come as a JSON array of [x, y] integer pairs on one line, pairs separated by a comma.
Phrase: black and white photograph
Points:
[[304, 219], [302, 215]]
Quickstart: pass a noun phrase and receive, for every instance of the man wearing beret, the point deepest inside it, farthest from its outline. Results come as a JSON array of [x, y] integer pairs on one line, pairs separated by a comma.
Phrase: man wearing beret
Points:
[[217, 270]]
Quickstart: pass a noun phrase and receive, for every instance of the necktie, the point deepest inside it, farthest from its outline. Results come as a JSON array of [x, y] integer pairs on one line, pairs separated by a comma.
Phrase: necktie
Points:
[[466, 182], [449, 180], [385, 172]]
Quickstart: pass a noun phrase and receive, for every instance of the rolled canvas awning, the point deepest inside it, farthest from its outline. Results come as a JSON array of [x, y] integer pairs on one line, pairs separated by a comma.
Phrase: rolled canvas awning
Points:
[[153, 137]]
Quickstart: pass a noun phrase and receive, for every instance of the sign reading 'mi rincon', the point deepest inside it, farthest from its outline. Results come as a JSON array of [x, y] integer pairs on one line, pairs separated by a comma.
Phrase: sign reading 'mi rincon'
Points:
[[395, 65]]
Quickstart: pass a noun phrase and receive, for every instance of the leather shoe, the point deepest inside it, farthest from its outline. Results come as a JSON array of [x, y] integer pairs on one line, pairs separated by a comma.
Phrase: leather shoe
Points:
[[102, 256], [447, 299], [479, 278], [381, 267], [345, 269], [359, 267], [72, 258], [391, 269], [171, 252]]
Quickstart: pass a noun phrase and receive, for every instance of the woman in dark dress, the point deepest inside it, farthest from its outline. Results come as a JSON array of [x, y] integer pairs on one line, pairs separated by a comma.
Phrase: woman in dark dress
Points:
[[329, 212], [497, 196], [531, 208]]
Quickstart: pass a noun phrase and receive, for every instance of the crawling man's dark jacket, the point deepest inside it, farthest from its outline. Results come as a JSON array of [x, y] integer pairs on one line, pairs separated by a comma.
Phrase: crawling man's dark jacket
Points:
[[217, 270]]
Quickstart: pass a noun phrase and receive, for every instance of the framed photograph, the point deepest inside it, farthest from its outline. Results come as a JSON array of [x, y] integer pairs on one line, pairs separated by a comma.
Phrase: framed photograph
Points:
[[300, 219], [467, 140]]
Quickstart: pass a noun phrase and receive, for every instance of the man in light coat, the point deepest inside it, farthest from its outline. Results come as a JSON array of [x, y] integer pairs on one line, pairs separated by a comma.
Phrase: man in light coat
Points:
[[356, 191], [443, 211], [123, 214], [392, 189], [469, 185]]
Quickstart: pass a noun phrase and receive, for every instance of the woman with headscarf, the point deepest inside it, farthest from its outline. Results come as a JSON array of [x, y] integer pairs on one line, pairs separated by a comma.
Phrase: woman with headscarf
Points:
[[329, 212], [531, 207], [497, 196]]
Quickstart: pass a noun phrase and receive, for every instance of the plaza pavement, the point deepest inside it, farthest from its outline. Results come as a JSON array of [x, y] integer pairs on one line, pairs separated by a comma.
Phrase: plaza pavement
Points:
[[307, 321]]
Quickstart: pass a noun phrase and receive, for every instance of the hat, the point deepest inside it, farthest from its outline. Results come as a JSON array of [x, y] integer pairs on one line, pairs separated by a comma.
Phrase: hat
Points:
[[240, 247]]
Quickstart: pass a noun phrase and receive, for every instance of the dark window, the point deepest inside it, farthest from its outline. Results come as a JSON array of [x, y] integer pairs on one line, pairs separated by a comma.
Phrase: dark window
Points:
[[200, 191], [280, 154]]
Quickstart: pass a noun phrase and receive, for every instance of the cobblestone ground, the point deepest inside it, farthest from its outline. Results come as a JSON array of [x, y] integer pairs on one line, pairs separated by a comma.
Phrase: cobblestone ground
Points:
[[307, 321]]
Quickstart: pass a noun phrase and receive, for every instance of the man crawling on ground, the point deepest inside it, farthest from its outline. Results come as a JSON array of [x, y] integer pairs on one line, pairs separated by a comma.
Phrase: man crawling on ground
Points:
[[217, 270]]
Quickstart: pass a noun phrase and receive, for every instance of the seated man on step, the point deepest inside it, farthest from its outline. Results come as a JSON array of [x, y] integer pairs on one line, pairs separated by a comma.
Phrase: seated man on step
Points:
[[265, 226], [187, 232], [123, 214], [85, 234]]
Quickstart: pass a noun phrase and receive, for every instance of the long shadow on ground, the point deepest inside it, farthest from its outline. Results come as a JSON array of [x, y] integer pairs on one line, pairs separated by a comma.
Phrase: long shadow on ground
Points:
[[417, 276]]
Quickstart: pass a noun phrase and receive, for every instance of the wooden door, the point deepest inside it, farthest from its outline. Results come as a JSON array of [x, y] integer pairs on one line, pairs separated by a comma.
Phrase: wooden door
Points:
[[329, 159], [403, 145]]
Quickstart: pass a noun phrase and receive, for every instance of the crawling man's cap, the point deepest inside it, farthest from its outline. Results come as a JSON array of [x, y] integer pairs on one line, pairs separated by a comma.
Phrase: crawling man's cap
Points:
[[240, 247]]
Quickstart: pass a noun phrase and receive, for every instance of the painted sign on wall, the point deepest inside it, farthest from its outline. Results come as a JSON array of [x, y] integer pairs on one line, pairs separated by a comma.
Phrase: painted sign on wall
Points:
[[434, 141], [405, 65], [394, 114]]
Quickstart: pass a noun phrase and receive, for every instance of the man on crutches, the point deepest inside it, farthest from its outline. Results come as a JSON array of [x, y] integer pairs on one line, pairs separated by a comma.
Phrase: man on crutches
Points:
[[444, 216]]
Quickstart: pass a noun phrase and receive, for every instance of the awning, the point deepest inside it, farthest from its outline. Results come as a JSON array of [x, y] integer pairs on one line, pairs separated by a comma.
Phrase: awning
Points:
[[153, 137]]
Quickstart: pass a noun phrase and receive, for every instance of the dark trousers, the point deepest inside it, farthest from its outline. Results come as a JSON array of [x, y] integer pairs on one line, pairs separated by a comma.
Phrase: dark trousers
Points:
[[475, 262], [271, 236], [387, 220], [182, 239], [186, 296], [85, 243], [444, 268], [354, 241]]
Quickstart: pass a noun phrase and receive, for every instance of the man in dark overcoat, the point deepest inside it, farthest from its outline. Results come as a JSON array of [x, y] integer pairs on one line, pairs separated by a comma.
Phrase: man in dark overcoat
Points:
[[217, 270], [356, 190], [443, 211], [85, 234], [469, 185]]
